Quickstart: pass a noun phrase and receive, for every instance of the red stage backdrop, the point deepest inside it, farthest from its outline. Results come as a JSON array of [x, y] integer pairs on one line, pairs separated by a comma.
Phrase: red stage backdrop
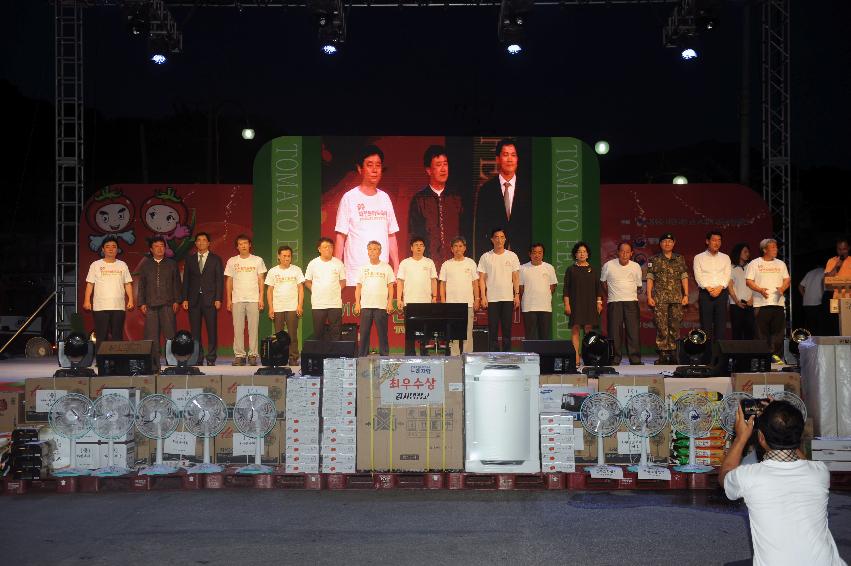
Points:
[[133, 213], [639, 214]]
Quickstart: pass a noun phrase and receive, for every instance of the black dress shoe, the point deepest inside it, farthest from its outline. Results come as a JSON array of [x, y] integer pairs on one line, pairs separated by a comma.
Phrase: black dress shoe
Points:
[[211, 362]]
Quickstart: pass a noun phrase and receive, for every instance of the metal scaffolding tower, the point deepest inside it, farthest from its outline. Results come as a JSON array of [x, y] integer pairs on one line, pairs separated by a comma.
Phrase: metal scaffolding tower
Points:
[[776, 164], [69, 158]]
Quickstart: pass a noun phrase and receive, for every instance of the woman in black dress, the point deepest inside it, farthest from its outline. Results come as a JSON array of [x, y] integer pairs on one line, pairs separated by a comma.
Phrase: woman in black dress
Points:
[[583, 295]]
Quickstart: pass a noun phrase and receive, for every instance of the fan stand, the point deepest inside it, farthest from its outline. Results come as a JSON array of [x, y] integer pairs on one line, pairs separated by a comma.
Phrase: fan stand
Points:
[[159, 469], [257, 467], [110, 469], [693, 467], [643, 465], [72, 470], [206, 467], [601, 467]]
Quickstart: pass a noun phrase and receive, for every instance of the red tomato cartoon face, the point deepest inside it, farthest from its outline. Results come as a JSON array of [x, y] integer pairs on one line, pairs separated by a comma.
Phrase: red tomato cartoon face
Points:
[[109, 211], [163, 212]]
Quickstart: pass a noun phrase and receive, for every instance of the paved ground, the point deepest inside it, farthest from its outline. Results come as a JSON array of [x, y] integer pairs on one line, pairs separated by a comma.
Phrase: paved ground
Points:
[[391, 527]]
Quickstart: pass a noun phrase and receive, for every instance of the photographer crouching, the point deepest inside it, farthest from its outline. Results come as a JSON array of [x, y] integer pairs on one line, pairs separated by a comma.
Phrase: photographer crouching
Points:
[[785, 493]]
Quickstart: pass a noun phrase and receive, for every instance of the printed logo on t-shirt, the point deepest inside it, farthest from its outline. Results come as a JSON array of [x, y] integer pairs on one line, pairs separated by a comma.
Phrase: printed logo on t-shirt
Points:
[[106, 270], [239, 268], [281, 279], [367, 215], [369, 272]]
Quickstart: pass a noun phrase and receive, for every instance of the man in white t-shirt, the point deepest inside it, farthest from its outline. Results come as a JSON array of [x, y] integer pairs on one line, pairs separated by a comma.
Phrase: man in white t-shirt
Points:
[[285, 297], [325, 276], [621, 279], [416, 282], [811, 288], [499, 288], [374, 300], [786, 494], [244, 298], [537, 282], [459, 283], [768, 278], [107, 283], [365, 214]]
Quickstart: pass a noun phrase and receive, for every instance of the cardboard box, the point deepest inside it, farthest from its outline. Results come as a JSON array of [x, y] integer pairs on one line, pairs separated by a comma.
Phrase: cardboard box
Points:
[[225, 449], [183, 387], [273, 386], [418, 429], [576, 380], [145, 384], [10, 407], [123, 454], [760, 384], [623, 447], [38, 396]]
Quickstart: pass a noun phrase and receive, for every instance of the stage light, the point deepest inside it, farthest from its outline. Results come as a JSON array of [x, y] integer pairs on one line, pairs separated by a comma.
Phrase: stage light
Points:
[[596, 355], [138, 19], [159, 59], [798, 336], [512, 24], [688, 53], [694, 349], [680, 180], [330, 23], [514, 49], [601, 147], [248, 133], [181, 354], [275, 355], [76, 354]]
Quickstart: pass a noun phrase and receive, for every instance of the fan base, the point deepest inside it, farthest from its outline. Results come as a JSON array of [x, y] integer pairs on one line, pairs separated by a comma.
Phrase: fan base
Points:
[[70, 472], [110, 471], [693, 468], [204, 469], [158, 470], [255, 469]]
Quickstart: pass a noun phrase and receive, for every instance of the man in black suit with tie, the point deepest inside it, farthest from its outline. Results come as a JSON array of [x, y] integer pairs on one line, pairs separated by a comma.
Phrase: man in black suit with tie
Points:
[[504, 201], [203, 284]]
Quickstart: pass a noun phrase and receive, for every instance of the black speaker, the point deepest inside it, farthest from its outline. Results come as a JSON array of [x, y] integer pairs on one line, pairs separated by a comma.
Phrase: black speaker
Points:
[[556, 356], [480, 339], [126, 358], [741, 356], [314, 352]]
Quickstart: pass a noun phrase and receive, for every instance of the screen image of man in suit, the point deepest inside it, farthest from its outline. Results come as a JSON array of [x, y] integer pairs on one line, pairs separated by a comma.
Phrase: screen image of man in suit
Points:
[[506, 201], [203, 284]]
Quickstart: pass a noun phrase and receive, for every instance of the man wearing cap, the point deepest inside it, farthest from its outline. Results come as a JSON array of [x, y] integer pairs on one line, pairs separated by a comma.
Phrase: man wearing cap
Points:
[[667, 294]]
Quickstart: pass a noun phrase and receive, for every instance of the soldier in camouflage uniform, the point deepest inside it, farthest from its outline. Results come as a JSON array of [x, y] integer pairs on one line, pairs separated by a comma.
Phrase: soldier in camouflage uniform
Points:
[[667, 294]]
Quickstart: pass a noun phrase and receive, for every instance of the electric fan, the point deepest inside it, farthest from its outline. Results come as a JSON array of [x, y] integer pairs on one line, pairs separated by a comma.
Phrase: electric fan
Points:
[[645, 415], [254, 416], [113, 419], [727, 408], [204, 416], [601, 416], [790, 397], [157, 417], [71, 416], [693, 416]]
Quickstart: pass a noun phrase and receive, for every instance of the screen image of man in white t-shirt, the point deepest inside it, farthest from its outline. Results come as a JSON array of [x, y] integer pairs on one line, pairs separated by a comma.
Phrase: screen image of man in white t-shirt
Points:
[[769, 278], [285, 297], [537, 282], [325, 276], [366, 214], [499, 288], [107, 284], [786, 494], [459, 283], [416, 282], [374, 300], [244, 298], [621, 280]]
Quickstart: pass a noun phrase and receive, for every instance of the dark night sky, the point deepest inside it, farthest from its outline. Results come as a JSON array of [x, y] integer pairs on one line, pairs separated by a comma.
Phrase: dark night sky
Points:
[[593, 72]]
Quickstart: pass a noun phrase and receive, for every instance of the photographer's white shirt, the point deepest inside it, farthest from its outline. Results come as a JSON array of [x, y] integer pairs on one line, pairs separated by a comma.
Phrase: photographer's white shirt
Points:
[[787, 504]]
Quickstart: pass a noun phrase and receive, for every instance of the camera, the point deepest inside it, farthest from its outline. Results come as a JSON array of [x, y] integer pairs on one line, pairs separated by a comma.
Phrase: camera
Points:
[[753, 407]]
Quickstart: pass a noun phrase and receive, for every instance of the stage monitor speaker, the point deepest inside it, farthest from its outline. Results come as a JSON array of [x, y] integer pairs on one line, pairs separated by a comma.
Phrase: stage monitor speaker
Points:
[[556, 356], [314, 352], [126, 358], [683, 358], [741, 356], [481, 339]]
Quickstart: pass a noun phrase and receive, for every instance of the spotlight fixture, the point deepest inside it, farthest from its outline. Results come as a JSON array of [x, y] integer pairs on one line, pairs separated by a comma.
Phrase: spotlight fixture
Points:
[[688, 53], [597, 355], [248, 133], [331, 24], [601, 147], [680, 180], [513, 16], [798, 336], [76, 353], [138, 18], [694, 349], [275, 354], [163, 38], [690, 20], [181, 354]]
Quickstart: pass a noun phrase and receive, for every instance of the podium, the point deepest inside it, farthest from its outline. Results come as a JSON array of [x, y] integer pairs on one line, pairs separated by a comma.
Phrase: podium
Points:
[[841, 305], [447, 321]]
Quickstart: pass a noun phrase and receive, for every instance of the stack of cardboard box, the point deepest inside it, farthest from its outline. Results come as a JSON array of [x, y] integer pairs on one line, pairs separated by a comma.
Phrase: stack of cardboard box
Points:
[[302, 425], [339, 427], [835, 452], [557, 443]]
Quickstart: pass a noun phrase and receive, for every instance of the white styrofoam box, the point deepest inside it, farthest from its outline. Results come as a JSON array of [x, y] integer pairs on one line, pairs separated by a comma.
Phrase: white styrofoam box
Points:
[[333, 438], [838, 466], [550, 449], [337, 469], [303, 428], [123, 454], [826, 383], [831, 444], [347, 430], [556, 419], [339, 363], [552, 467], [556, 429], [331, 422], [307, 421], [298, 439], [60, 453], [337, 411], [339, 383], [304, 459], [300, 469], [295, 384], [338, 449], [301, 449], [832, 455], [341, 458]]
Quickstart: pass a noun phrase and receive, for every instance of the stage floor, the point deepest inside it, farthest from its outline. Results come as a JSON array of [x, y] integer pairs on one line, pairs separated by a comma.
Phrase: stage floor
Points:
[[14, 371]]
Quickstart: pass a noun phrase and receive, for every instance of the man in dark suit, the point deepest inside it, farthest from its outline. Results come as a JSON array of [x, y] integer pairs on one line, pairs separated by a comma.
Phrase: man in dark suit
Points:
[[203, 283], [504, 201]]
